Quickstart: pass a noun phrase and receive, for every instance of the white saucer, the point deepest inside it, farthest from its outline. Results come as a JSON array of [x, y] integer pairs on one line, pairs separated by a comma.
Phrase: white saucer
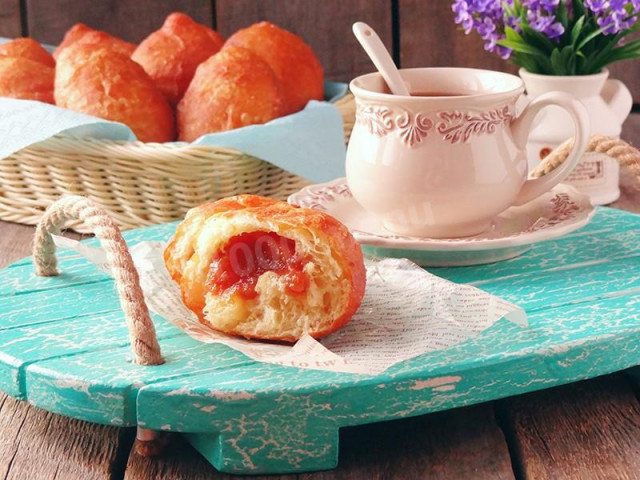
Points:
[[513, 232]]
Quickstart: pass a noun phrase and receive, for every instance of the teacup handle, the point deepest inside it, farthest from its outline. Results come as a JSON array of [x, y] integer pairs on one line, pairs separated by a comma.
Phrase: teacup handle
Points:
[[521, 127]]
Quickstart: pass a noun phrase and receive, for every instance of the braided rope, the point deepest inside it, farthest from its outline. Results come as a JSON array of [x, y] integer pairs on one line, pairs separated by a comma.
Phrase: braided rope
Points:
[[627, 156], [142, 334]]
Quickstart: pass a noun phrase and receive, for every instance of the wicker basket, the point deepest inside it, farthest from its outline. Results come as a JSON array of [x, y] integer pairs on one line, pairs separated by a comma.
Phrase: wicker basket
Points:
[[138, 183]]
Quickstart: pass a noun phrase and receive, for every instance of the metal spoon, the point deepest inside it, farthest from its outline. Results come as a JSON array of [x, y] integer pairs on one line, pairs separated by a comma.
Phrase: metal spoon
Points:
[[380, 57]]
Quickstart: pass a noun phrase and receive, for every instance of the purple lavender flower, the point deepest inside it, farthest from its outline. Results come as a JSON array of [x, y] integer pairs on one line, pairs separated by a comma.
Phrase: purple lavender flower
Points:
[[544, 23], [541, 17], [547, 6], [487, 17], [596, 6], [551, 18], [464, 16], [614, 15]]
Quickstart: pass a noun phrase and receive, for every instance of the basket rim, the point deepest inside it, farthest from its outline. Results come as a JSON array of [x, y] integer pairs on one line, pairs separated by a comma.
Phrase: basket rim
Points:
[[69, 143]]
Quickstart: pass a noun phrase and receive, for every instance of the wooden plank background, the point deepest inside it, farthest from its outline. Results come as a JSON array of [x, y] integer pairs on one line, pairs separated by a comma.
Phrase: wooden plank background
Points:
[[418, 32]]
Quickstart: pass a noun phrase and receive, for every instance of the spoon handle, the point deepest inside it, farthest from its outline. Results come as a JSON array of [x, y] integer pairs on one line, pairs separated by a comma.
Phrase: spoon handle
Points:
[[380, 57]]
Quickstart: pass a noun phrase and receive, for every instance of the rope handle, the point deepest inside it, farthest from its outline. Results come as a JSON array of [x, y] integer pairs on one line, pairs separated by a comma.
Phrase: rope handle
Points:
[[142, 333], [627, 156]]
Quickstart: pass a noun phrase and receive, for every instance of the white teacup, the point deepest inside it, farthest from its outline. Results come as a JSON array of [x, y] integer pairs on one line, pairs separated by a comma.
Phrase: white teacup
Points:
[[445, 165]]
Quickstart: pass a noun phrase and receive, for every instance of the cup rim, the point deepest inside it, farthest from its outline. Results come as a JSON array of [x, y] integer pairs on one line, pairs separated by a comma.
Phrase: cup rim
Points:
[[362, 92]]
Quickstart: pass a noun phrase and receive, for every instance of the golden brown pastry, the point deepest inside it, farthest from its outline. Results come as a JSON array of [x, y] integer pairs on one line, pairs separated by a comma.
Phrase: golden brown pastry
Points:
[[80, 33], [25, 79], [171, 55], [106, 84], [292, 60], [27, 48], [234, 88], [261, 268]]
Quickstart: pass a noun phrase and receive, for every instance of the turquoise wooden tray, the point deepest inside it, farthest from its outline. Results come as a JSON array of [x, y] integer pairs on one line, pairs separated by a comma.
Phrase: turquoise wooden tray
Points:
[[64, 348]]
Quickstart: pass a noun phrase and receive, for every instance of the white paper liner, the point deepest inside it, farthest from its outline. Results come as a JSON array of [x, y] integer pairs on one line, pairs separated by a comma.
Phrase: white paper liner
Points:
[[406, 312]]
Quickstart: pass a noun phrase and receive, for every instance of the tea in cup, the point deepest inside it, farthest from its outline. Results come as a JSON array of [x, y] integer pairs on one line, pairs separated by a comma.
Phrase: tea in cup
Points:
[[448, 159]]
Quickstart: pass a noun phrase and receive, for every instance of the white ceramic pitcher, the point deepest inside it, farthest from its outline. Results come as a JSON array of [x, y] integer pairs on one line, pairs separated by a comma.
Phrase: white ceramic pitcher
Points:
[[608, 103]]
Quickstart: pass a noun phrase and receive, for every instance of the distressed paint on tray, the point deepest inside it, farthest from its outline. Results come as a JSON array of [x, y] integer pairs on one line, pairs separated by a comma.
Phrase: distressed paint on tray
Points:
[[63, 346]]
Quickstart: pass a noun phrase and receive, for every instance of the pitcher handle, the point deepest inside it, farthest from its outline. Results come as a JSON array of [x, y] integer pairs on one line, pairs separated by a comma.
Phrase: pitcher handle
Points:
[[618, 97]]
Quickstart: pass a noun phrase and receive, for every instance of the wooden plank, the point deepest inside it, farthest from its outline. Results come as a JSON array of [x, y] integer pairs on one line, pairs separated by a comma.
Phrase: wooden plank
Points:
[[562, 345], [90, 333], [108, 394], [40, 445], [325, 25], [131, 20], [582, 246], [569, 284], [549, 345], [70, 333], [10, 24], [182, 462], [430, 38], [463, 443], [586, 430]]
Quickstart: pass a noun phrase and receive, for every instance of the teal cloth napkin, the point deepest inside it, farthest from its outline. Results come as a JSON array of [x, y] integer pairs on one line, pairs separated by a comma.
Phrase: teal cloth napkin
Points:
[[309, 143]]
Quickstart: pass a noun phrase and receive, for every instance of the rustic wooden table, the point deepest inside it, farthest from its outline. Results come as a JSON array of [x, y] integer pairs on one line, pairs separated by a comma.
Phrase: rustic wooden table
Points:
[[590, 429]]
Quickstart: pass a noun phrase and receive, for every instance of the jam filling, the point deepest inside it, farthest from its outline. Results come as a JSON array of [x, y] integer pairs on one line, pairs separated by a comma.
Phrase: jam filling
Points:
[[238, 265]]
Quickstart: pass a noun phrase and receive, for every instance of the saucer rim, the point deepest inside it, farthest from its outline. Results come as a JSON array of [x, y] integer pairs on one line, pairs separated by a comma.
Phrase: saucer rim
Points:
[[461, 244]]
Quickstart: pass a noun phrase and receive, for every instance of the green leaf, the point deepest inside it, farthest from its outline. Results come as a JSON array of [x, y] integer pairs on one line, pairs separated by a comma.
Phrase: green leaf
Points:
[[525, 62], [512, 35], [521, 47], [580, 62], [619, 56], [578, 8], [569, 60], [577, 30], [537, 39], [562, 15], [590, 37], [629, 51], [557, 63], [609, 55], [531, 64]]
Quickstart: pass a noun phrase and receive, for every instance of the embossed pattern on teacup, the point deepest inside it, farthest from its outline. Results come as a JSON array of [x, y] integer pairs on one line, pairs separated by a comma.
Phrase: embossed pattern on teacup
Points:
[[458, 126], [455, 126]]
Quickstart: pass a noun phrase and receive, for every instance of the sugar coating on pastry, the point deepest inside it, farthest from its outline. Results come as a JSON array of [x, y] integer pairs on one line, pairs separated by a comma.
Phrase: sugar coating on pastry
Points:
[[27, 48], [81, 33], [264, 269], [171, 55], [26, 79], [292, 60], [233, 88], [106, 84]]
